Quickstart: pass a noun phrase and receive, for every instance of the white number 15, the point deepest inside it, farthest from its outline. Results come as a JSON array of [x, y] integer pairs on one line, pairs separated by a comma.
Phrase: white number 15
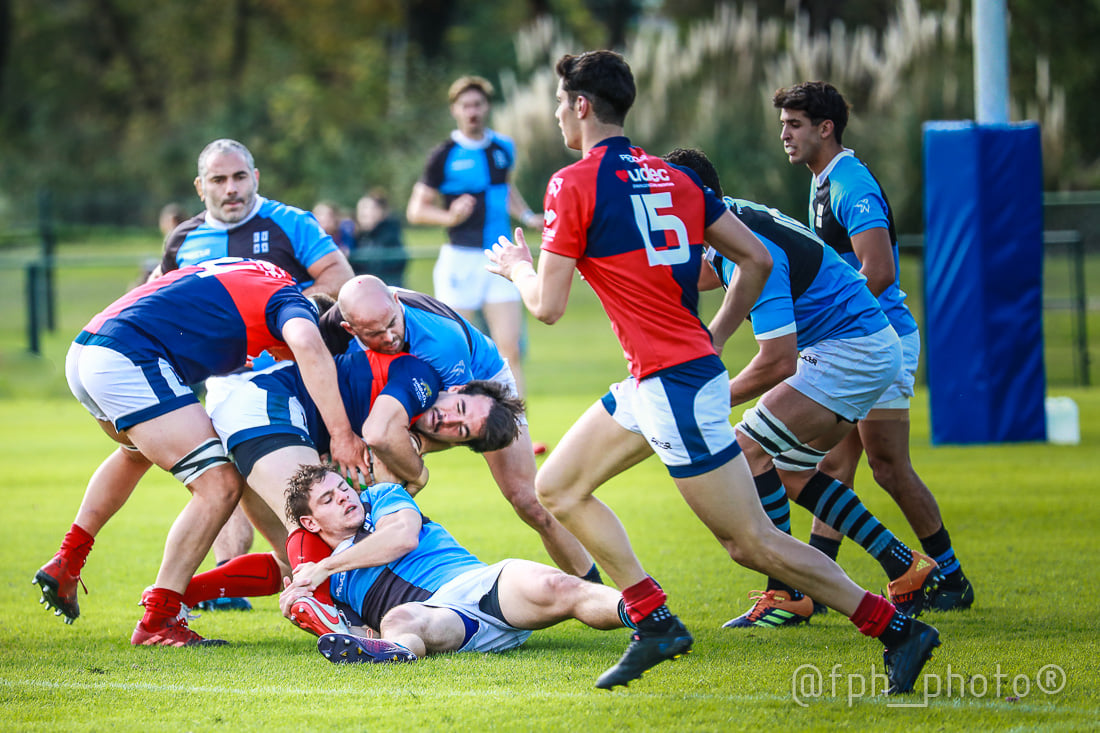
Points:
[[652, 225]]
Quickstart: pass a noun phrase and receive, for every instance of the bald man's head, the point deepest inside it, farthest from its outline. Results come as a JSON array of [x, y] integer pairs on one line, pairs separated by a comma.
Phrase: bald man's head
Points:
[[371, 313]]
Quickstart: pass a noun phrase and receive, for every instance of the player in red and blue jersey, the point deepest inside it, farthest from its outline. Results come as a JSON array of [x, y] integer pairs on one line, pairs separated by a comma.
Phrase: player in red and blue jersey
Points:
[[132, 367], [635, 226]]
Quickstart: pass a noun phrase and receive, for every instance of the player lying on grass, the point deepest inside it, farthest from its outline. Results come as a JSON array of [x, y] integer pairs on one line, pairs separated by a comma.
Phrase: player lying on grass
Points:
[[394, 570], [827, 353], [271, 427]]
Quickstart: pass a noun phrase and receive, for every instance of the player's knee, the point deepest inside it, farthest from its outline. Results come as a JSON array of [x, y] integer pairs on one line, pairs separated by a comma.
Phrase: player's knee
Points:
[[755, 547], [529, 509], [403, 619]]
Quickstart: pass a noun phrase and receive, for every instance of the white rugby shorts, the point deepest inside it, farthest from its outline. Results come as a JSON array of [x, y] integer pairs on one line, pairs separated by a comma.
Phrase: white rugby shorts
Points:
[[462, 282]]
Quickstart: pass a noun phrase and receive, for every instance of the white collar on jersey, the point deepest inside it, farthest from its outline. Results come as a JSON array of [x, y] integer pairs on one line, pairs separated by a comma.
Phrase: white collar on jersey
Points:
[[214, 223], [469, 143], [820, 177]]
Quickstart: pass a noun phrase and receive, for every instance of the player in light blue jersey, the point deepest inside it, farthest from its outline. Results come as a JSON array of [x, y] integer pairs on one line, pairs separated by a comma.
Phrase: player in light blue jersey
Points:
[[465, 187], [827, 352], [393, 570], [389, 321], [238, 222], [850, 212]]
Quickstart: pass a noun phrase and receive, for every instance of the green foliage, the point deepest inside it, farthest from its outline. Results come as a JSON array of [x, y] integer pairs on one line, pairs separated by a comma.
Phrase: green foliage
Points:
[[107, 103]]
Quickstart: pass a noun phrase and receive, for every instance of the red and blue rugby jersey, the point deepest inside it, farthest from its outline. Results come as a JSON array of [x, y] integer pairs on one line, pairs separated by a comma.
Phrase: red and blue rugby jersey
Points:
[[205, 319], [635, 225]]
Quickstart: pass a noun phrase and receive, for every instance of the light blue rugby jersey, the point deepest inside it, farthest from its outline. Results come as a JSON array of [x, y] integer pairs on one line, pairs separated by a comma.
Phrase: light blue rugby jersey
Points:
[[846, 199], [811, 291], [446, 341], [480, 168], [275, 232], [437, 559]]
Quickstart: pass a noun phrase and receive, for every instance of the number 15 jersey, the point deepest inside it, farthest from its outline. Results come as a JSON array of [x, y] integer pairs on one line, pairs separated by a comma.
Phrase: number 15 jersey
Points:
[[634, 224]]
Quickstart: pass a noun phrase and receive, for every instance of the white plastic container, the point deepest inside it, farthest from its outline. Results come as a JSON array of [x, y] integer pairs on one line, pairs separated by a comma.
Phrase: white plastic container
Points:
[[1063, 424]]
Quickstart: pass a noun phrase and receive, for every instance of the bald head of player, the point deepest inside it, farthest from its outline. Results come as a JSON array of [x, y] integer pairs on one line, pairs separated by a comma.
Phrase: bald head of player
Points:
[[371, 313]]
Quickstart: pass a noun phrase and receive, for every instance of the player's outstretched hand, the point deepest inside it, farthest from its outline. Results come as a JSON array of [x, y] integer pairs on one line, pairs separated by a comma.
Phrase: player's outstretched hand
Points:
[[506, 258]]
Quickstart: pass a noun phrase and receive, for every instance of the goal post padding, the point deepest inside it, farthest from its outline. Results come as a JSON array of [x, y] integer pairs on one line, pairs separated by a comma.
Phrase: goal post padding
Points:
[[983, 266]]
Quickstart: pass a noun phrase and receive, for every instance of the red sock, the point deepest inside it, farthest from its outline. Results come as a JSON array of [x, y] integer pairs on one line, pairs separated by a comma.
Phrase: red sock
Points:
[[248, 575], [161, 605], [643, 598], [303, 546], [873, 615], [75, 547]]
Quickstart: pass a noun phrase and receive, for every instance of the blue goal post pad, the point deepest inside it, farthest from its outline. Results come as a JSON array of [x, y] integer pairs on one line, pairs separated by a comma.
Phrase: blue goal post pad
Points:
[[983, 268]]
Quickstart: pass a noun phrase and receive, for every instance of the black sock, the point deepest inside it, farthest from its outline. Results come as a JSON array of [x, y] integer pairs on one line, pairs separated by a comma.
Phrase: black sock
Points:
[[774, 499], [896, 631], [826, 545], [659, 621], [593, 575], [938, 546]]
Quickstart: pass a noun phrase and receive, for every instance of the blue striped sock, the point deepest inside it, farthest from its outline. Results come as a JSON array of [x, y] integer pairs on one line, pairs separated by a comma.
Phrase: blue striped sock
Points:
[[839, 507]]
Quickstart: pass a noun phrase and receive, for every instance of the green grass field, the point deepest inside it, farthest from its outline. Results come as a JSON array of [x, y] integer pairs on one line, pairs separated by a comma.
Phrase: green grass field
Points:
[[1023, 518]]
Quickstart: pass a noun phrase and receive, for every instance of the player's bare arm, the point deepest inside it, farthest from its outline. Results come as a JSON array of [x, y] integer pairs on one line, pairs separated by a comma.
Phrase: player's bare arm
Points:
[[545, 292], [776, 360], [876, 258], [520, 211], [329, 273], [424, 207], [386, 431], [733, 239], [318, 370], [395, 535]]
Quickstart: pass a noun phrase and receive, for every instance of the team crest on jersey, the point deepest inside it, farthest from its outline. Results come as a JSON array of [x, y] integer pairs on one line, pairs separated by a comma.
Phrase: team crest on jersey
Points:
[[500, 159], [423, 391], [261, 242], [549, 216], [863, 205], [554, 188]]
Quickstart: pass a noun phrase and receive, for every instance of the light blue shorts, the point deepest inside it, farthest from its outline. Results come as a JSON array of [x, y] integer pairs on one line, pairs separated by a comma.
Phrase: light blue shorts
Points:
[[684, 413], [849, 376], [896, 396]]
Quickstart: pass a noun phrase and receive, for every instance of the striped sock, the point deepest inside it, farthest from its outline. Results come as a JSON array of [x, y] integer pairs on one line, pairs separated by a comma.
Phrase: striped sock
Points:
[[840, 508], [774, 498]]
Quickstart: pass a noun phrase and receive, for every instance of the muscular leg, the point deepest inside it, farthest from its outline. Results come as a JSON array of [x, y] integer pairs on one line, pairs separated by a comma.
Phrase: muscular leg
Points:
[[110, 486], [726, 501], [534, 596], [885, 435], [513, 468], [265, 498], [593, 450], [165, 440], [235, 538]]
